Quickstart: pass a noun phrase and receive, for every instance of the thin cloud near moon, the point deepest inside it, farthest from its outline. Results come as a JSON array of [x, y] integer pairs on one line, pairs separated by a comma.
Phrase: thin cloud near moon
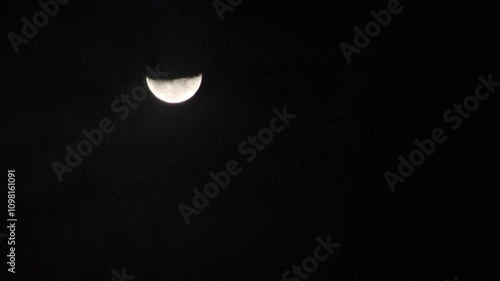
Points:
[[175, 90]]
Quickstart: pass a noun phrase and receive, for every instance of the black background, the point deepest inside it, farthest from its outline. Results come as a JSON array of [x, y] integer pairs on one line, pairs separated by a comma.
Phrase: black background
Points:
[[323, 175]]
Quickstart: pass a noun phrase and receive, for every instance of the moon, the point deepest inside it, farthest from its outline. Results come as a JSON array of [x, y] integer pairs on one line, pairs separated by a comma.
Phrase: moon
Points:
[[175, 90]]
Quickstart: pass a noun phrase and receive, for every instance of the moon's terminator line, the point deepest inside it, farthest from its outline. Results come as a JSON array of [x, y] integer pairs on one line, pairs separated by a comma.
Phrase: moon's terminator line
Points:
[[175, 90]]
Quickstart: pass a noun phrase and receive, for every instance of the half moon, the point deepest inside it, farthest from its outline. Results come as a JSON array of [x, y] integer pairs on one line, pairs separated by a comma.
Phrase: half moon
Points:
[[176, 90]]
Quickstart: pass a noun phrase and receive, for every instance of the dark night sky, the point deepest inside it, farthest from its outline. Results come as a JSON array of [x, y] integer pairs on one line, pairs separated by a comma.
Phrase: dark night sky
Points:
[[323, 175]]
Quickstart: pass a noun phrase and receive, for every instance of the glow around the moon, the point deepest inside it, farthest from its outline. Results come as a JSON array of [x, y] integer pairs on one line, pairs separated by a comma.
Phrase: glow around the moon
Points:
[[176, 90]]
